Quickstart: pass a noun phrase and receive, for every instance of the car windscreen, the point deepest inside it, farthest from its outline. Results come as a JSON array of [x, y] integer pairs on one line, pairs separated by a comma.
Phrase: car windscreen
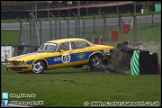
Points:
[[47, 47]]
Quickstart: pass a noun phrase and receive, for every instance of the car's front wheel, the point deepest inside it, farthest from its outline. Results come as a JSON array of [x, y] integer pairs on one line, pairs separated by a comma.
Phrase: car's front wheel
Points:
[[38, 67], [95, 61]]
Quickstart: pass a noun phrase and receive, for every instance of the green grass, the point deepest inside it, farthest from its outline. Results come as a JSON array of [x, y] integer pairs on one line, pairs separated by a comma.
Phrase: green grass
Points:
[[9, 37], [73, 87]]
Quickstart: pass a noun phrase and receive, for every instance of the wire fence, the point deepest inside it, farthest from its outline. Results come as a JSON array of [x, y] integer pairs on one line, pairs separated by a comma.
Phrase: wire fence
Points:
[[37, 32]]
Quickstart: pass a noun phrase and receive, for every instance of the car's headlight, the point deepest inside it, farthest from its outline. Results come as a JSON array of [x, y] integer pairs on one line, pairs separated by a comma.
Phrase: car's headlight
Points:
[[22, 62]]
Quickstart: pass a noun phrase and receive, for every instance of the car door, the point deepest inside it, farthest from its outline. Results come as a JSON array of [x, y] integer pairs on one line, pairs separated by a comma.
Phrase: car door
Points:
[[64, 57], [80, 51]]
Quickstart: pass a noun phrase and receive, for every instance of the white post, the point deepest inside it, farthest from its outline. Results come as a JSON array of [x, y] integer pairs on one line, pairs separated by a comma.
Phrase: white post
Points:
[[142, 11], [131, 24]]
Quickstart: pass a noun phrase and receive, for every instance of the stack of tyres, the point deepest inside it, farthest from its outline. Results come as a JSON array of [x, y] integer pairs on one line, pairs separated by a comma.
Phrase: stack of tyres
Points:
[[144, 62], [148, 63], [120, 60]]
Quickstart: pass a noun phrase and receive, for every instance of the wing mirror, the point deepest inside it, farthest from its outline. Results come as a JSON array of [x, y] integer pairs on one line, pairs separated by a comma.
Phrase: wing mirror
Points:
[[61, 51]]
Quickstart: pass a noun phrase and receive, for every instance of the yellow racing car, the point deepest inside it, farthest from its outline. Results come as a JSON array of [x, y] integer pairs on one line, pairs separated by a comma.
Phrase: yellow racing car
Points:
[[60, 53]]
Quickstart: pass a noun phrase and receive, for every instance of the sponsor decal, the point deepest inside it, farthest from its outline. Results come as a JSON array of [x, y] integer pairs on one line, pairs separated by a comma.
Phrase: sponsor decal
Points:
[[57, 59], [81, 55]]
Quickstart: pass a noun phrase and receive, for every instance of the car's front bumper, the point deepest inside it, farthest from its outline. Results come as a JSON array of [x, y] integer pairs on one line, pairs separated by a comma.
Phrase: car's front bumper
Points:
[[18, 68]]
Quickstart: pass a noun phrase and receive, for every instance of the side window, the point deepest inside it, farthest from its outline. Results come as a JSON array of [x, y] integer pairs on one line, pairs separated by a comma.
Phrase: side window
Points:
[[79, 44], [64, 46]]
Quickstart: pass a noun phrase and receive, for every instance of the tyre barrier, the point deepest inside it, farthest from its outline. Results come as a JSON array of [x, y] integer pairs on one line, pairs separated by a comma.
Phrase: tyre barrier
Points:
[[119, 61], [148, 63], [144, 63], [133, 61], [134, 64]]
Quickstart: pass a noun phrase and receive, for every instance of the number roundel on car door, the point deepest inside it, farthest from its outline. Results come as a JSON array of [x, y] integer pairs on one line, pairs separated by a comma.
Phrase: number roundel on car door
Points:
[[65, 58]]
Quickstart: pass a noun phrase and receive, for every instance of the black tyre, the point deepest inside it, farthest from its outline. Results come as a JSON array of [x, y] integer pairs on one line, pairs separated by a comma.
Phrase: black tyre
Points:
[[95, 61], [38, 67]]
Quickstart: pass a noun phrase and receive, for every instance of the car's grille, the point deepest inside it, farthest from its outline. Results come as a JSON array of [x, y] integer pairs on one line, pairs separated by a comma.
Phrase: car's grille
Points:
[[15, 62], [17, 69]]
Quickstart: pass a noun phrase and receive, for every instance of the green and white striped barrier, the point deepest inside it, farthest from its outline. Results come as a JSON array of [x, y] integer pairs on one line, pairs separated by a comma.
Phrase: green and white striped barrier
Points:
[[134, 64]]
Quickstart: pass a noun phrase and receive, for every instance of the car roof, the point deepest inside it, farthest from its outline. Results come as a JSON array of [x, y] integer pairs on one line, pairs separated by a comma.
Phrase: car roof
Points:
[[58, 41]]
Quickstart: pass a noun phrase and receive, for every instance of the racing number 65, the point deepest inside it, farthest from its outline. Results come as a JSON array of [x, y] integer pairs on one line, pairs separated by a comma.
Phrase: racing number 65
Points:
[[66, 58]]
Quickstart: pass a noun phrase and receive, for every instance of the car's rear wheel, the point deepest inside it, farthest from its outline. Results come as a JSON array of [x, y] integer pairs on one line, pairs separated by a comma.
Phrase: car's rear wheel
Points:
[[95, 61], [38, 67]]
